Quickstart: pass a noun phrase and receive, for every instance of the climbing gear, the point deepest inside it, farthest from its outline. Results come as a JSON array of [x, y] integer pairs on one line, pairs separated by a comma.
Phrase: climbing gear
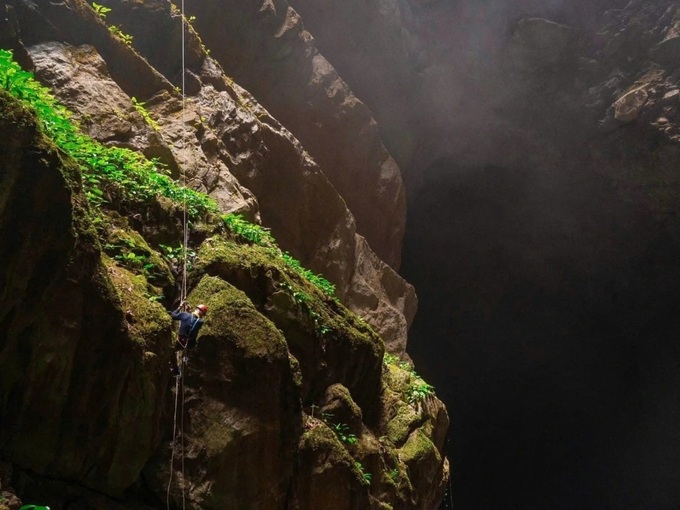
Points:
[[203, 309]]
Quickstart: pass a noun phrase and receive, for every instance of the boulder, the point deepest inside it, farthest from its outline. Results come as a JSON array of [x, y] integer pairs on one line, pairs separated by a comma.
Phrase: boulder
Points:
[[628, 107]]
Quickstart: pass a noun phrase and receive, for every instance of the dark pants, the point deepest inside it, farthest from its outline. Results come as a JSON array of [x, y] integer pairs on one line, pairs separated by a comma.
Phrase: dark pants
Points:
[[182, 344]]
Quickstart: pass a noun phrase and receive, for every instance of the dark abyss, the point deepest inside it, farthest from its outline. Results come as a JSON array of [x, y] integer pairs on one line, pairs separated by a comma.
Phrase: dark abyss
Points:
[[548, 322]]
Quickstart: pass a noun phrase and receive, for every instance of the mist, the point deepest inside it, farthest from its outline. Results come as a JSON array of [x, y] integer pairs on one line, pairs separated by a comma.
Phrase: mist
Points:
[[541, 237]]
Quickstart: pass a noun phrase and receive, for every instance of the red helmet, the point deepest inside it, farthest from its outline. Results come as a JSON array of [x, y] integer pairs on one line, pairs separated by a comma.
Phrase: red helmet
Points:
[[203, 309]]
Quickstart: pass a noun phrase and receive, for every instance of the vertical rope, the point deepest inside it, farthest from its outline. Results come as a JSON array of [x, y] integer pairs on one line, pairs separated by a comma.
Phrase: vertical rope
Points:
[[184, 177], [182, 433], [174, 440], [183, 292], [185, 240]]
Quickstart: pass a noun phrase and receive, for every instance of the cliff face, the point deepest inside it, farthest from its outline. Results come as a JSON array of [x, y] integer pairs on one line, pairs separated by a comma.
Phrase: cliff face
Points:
[[288, 402]]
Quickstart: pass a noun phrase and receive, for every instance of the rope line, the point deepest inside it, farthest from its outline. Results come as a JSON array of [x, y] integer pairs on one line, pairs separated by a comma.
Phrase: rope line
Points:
[[185, 240], [179, 385], [183, 166], [184, 365], [174, 435]]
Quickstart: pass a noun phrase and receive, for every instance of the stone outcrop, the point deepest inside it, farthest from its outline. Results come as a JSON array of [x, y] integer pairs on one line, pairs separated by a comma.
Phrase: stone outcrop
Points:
[[264, 47]]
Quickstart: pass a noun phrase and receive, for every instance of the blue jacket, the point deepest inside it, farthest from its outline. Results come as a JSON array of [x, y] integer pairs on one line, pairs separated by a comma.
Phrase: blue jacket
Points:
[[189, 324]]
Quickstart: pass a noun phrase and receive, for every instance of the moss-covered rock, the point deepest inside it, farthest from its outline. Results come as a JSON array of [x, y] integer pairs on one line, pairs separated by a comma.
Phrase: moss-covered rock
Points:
[[241, 407], [79, 398], [326, 476], [321, 333]]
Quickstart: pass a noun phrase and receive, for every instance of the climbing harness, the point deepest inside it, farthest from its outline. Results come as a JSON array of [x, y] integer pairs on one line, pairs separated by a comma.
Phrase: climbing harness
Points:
[[179, 380]]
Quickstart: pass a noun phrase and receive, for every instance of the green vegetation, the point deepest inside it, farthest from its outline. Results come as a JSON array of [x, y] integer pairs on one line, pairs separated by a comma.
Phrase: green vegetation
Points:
[[141, 109], [112, 176], [177, 255], [102, 11], [417, 389], [248, 231], [262, 236], [394, 475], [366, 476], [342, 431], [126, 38]]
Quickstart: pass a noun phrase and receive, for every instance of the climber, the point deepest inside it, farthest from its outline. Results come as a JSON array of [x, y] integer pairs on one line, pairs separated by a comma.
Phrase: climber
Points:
[[189, 325]]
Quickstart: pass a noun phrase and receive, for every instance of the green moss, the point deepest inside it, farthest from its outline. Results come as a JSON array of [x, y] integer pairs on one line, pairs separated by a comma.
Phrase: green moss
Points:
[[217, 437], [417, 448], [268, 272], [147, 320], [323, 441], [404, 421], [130, 250], [232, 314]]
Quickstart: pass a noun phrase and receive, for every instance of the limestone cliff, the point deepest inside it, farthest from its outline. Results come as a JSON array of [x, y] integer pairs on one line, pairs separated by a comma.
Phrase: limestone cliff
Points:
[[290, 400]]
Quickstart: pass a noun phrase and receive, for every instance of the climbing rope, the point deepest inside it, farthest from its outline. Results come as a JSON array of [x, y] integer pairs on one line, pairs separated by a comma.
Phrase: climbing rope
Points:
[[174, 435], [179, 380]]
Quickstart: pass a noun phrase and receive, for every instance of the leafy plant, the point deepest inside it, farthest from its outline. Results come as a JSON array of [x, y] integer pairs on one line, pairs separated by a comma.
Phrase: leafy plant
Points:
[[418, 391], [366, 476], [390, 359], [100, 10], [248, 231], [317, 280], [394, 475], [177, 254], [141, 109], [343, 433], [116, 31]]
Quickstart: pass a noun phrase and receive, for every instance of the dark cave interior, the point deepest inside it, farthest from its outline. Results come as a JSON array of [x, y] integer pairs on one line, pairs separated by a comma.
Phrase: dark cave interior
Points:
[[547, 319]]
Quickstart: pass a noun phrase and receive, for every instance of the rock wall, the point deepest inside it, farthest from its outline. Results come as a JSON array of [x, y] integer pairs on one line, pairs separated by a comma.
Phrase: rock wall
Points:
[[236, 148]]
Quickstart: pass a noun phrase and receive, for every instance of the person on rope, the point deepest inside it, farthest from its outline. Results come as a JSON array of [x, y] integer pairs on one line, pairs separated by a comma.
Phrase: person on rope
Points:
[[189, 326]]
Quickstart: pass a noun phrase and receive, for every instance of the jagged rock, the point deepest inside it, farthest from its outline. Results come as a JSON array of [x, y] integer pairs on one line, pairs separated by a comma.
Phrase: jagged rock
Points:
[[105, 364], [242, 408], [627, 107], [374, 49], [383, 298], [334, 483], [266, 49], [667, 51], [81, 81], [321, 355]]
